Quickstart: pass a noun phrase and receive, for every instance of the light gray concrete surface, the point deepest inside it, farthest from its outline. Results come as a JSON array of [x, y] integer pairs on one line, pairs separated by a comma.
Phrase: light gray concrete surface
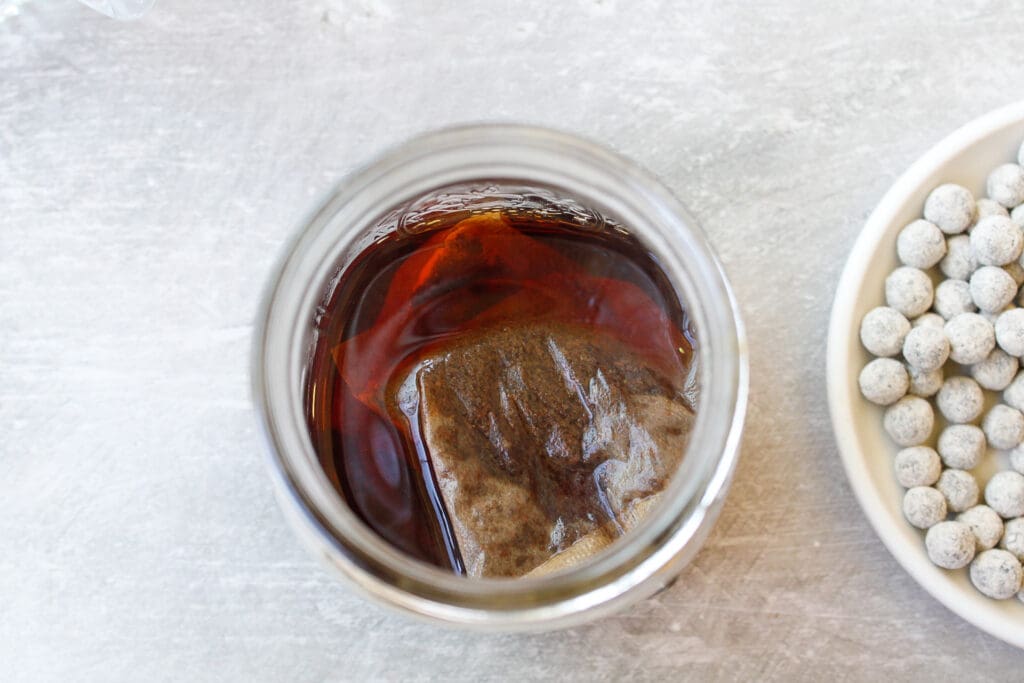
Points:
[[150, 174]]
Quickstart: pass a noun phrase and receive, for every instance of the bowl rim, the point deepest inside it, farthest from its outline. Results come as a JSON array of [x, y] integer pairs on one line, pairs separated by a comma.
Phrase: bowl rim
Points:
[[841, 335]]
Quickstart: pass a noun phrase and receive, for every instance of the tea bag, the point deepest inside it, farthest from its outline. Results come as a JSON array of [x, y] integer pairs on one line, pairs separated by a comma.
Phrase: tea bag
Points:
[[543, 438]]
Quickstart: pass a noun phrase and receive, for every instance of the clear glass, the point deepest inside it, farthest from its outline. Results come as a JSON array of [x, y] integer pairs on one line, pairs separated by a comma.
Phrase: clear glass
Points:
[[580, 176], [120, 9]]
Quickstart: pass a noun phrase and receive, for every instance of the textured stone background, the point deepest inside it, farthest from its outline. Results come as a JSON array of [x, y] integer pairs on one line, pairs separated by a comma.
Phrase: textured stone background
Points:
[[150, 173]]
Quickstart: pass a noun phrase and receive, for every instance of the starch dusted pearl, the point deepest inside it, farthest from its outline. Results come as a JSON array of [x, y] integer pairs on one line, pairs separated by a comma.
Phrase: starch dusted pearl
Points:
[[930, 320], [971, 338], [924, 507], [1003, 427], [951, 207], [883, 330], [995, 372], [909, 421], [926, 348], [1004, 493], [985, 524], [960, 489], [989, 207], [1006, 185], [924, 384], [1009, 329], [960, 400], [950, 545], [953, 297], [962, 446], [1013, 538], [883, 381], [917, 466], [958, 263], [921, 244], [997, 574], [992, 289], [996, 241], [909, 291]]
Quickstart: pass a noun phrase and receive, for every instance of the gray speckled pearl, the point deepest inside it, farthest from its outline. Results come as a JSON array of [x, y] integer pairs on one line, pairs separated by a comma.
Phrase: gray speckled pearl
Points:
[[996, 241], [909, 421], [926, 348], [909, 291], [1004, 493], [971, 338], [985, 524], [1009, 329], [950, 545], [960, 489], [953, 297], [924, 384], [1005, 185], [917, 466], [992, 289], [958, 263], [883, 381], [883, 330], [962, 446], [1013, 538], [951, 207], [924, 507], [1003, 427], [997, 370], [997, 574], [960, 400], [920, 244]]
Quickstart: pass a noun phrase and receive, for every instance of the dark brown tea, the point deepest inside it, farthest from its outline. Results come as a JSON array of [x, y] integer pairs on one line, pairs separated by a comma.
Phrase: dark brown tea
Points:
[[490, 393]]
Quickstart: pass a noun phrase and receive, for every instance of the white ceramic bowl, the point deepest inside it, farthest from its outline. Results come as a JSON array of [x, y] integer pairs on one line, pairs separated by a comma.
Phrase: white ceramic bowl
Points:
[[965, 157]]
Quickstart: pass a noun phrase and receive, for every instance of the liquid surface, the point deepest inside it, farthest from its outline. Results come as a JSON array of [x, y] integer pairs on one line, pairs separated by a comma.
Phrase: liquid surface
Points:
[[486, 394]]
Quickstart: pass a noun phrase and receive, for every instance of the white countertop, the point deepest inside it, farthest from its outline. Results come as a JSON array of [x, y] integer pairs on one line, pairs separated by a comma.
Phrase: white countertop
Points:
[[150, 174]]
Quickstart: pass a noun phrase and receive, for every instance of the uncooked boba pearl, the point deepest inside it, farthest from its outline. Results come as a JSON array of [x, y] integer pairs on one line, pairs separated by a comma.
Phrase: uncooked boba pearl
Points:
[[953, 297], [924, 507], [1013, 538], [1003, 426], [1013, 395], [926, 348], [883, 330], [958, 263], [997, 574], [1006, 185], [995, 372], [921, 244], [917, 466], [1017, 459], [961, 446], [1017, 216], [1005, 494], [971, 338], [985, 524], [960, 489], [924, 384], [996, 241], [909, 291], [883, 381], [950, 545], [909, 421], [992, 289], [960, 400], [988, 207], [950, 207], [930, 319], [1009, 329]]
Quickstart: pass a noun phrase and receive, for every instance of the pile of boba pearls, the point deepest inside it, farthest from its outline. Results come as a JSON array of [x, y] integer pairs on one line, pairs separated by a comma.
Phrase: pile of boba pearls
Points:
[[950, 340]]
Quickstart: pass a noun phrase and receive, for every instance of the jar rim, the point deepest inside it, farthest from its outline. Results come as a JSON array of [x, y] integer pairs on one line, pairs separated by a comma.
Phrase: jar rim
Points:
[[595, 176]]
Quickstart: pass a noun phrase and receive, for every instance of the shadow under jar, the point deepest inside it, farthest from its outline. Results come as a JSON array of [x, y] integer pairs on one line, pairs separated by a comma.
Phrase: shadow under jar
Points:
[[503, 380]]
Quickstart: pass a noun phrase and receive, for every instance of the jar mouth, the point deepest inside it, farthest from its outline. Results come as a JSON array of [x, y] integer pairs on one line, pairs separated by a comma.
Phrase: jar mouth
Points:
[[597, 178]]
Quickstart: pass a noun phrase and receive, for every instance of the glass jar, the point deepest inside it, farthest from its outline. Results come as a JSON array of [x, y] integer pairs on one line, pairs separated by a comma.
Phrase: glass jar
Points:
[[501, 165]]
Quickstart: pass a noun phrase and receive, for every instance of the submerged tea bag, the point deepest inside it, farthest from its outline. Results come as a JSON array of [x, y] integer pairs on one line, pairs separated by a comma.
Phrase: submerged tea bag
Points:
[[542, 435]]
